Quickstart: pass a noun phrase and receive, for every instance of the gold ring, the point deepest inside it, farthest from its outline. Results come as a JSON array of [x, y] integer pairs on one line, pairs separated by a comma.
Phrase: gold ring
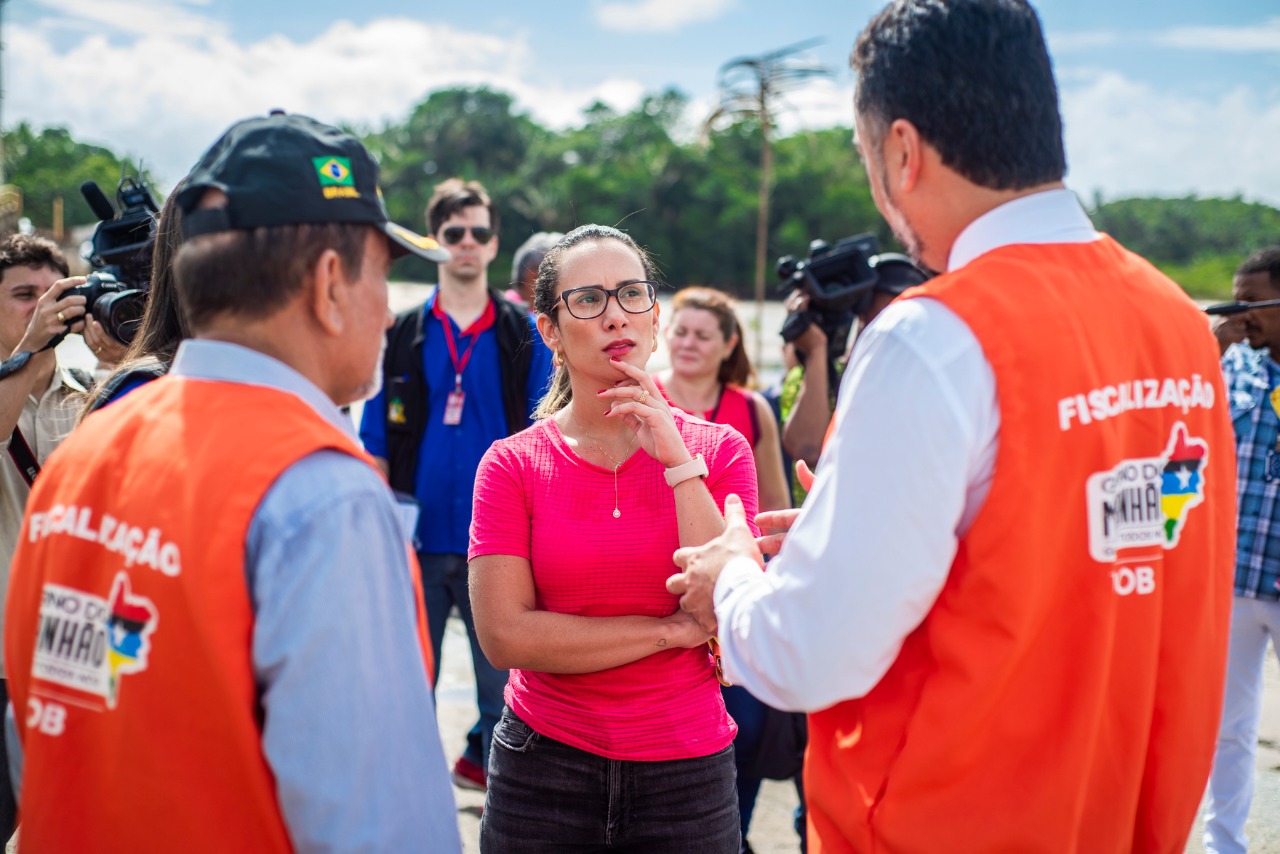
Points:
[[61, 319], [644, 396]]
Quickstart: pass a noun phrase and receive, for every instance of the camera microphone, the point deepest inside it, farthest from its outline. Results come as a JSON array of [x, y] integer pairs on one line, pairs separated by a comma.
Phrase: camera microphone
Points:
[[1230, 308], [98, 201]]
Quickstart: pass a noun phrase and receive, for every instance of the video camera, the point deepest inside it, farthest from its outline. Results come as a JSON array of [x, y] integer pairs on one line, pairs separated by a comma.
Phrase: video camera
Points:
[[116, 292], [842, 281]]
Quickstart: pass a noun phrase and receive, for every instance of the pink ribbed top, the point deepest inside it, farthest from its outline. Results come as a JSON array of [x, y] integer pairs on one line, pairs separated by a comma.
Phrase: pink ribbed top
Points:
[[536, 499]]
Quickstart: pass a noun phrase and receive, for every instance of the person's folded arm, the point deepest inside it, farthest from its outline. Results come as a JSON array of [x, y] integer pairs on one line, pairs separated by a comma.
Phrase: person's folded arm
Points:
[[514, 633]]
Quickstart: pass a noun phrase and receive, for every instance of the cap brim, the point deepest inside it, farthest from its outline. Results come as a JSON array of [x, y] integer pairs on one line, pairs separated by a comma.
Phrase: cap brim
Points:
[[405, 242]]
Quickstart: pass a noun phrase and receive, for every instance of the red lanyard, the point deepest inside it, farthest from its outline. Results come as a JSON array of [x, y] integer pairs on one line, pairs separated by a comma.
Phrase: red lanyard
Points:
[[483, 322]]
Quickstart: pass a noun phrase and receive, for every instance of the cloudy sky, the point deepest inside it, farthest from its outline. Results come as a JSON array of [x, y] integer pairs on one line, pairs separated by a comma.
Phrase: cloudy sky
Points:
[[1159, 98]]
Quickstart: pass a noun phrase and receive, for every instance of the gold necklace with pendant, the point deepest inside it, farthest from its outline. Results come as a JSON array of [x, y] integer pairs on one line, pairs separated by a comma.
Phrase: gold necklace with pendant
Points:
[[615, 464]]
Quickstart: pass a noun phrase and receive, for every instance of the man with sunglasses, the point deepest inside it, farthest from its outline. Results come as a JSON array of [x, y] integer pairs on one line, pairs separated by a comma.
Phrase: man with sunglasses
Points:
[[461, 371]]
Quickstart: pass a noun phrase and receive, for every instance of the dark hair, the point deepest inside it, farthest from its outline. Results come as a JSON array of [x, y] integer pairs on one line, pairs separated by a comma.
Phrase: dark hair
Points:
[[975, 79], [736, 368], [27, 250], [545, 300], [1263, 261], [452, 196], [253, 273]]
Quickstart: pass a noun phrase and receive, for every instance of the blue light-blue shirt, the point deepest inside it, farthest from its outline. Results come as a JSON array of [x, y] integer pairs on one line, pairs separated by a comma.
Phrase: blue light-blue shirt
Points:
[[450, 454], [1250, 376], [349, 726]]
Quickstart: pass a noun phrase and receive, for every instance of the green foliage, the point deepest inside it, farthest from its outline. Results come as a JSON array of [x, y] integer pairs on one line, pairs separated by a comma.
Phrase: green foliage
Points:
[[50, 164], [467, 133], [1208, 277], [1198, 243], [691, 202], [1179, 231]]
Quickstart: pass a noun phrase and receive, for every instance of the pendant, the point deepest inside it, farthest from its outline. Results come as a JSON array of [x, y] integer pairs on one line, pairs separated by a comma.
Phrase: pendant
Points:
[[617, 514]]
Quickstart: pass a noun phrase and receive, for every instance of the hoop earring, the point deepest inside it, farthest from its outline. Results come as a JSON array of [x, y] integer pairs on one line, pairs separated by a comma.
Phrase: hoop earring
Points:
[[557, 358]]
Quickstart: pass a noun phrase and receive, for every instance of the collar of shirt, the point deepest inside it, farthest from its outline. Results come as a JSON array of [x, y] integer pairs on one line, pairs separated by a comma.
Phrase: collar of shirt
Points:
[[480, 324], [224, 362], [1053, 216]]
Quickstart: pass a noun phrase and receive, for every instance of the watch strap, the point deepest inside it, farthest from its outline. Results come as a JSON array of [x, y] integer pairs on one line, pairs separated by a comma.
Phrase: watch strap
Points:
[[696, 467]]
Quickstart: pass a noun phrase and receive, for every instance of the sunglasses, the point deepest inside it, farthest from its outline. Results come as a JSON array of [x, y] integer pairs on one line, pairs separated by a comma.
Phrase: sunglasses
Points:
[[453, 234]]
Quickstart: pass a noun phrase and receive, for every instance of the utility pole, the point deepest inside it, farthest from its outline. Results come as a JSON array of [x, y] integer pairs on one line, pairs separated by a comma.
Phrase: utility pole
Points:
[[750, 88]]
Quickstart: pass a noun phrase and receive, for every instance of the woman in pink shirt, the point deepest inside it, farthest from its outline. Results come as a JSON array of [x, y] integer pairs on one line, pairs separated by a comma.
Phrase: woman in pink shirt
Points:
[[615, 735]]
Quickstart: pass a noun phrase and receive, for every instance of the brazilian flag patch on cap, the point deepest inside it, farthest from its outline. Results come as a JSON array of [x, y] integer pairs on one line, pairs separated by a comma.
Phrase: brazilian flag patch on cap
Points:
[[335, 177]]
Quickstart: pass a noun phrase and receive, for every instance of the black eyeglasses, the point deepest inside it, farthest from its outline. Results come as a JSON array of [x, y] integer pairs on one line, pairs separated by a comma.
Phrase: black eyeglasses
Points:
[[587, 302], [453, 234]]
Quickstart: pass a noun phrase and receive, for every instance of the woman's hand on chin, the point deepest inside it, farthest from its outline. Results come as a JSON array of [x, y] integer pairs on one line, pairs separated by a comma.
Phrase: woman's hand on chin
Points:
[[646, 412]]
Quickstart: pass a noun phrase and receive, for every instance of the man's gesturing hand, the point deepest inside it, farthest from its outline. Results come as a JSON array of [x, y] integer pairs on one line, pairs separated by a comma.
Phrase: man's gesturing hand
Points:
[[782, 520], [702, 564]]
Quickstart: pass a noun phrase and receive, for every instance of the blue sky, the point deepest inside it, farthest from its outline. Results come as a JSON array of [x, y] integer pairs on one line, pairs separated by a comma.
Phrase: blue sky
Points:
[[1162, 98]]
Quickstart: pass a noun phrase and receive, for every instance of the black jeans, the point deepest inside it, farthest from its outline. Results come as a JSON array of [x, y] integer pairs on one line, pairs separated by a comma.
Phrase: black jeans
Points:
[[545, 796]]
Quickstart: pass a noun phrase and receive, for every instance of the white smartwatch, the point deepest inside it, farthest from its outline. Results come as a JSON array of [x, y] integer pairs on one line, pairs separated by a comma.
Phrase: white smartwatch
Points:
[[696, 467]]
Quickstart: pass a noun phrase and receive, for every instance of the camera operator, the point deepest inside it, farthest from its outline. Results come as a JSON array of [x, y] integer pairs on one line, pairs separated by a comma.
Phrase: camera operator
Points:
[[805, 425], [37, 407]]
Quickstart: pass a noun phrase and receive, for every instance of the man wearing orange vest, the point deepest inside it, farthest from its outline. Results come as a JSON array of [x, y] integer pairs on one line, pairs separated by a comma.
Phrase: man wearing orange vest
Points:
[[214, 631], [1005, 602]]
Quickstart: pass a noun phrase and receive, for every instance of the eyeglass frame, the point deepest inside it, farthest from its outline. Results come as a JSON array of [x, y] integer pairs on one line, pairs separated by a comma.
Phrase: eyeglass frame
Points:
[[462, 230], [604, 306]]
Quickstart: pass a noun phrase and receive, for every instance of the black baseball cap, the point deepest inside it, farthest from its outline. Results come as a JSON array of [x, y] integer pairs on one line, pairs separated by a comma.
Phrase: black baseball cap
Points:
[[284, 169]]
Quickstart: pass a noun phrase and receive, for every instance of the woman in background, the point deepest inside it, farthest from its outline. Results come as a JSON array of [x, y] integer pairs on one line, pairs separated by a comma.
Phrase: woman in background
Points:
[[710, 377]]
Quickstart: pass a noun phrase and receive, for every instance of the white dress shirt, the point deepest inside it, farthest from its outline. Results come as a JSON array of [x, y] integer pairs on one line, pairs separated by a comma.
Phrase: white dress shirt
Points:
[[903, 476]]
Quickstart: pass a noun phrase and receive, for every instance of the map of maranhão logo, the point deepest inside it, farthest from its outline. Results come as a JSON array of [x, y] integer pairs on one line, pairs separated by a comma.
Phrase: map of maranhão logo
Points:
[[87, 643], [1145, 501]]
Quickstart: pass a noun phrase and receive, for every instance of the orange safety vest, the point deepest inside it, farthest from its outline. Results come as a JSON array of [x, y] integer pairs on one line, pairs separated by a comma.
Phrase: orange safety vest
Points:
[[129, 625], [1063, 693]]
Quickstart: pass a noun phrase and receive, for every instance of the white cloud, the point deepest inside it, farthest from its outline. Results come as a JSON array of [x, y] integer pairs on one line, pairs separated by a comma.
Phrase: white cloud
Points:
[[1126, 138], [1261, 38], [1067, 42], [819, 103], [167, 95], [657, 16], [174, 18]]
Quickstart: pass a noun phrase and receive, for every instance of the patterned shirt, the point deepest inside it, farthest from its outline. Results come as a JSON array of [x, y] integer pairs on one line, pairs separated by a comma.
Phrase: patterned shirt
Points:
[[46, 419], [1251, 376]]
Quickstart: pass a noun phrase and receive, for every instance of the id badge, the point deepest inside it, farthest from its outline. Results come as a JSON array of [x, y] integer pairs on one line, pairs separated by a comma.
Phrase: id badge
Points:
[[453, 407]]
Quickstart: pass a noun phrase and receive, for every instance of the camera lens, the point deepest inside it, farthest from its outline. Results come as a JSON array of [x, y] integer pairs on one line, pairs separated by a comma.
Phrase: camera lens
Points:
[[121, 313]]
